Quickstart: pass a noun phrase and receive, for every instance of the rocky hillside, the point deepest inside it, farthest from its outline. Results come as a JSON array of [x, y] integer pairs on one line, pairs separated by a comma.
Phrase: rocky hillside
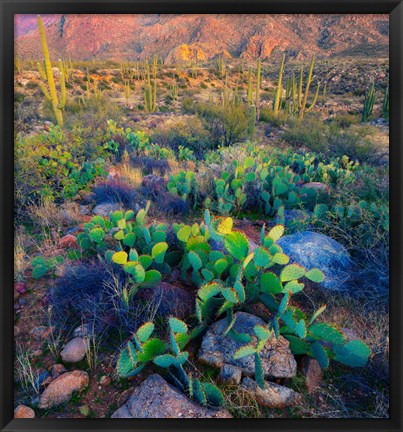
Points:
[[202, 37]]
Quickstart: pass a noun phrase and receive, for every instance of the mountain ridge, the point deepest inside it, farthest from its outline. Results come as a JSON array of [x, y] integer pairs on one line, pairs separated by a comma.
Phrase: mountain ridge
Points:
[[183, 37]]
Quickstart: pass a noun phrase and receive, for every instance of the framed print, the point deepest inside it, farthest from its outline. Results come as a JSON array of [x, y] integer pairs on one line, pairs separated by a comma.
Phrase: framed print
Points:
[[201, 215]]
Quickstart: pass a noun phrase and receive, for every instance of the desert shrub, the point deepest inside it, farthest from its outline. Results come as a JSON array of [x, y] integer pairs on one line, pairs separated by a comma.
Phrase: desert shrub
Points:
[[330, 140], [186, 132], [149, 165], [226, 125], [116, 191]]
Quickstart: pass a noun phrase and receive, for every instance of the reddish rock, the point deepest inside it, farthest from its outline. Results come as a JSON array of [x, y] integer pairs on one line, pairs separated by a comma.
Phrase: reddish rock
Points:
[[312, 372], [68, 241], [23, 412], [62, 388]]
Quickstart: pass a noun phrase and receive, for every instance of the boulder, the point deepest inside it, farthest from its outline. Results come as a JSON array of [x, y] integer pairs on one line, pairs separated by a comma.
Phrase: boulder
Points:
[[217, 349], [318, 187], [169, 300], [311, 249], [24, 412], [75, 350], [62, 388], [155, 398], [104, 208], [273, 395]]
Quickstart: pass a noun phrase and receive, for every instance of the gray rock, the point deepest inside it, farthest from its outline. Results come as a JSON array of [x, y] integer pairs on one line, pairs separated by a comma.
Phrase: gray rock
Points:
[[84, 210], [103, 209], [169, 300], [230, 374], [75, 350], [273, 395], [84, 330], [155, 398], [312, 250], [62, 388], [217, 349]]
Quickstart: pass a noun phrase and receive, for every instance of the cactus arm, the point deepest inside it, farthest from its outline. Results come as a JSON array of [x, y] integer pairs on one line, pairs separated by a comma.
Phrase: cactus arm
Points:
[[45, 91], [279, 88], [308, 84], [41, 71], [314, 99], [250, 90], [258, 84], [300, 88]]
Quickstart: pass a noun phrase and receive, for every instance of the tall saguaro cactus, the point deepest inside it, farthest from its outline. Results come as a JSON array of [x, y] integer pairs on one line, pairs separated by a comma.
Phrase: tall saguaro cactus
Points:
[[47, 73], [279, 92], [258, 85], [303, 109]]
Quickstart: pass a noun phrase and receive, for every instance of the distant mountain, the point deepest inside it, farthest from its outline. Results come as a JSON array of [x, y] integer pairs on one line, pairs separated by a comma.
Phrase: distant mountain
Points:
[[185, 37]]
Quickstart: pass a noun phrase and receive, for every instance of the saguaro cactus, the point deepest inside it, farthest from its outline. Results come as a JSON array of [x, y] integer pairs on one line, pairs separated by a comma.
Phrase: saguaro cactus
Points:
[[303, 109], [258, 85], [369, 102], [51, 95], [279, 92], [250, 89]]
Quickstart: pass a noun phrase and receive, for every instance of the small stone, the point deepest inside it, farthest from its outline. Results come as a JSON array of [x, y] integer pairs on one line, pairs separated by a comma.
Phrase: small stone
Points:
[[103, 209], [273, 395], [62, 388], [75, 350], [68, 241], [37, 353], [57, 370], [23, 411], [349, 334], [230, 374], [312, 372], [84, 210], [104, 381], [84, 330], [85, 410]]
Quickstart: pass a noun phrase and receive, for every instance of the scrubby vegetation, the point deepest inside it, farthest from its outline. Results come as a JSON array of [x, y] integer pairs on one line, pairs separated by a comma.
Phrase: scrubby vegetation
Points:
[[192, 176]]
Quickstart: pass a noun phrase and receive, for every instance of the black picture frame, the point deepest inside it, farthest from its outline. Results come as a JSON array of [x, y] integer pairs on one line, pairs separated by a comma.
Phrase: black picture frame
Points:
[[8, 8]]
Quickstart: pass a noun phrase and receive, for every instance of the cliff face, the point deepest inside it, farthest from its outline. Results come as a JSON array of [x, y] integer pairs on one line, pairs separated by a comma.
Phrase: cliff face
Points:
[[202, 37]]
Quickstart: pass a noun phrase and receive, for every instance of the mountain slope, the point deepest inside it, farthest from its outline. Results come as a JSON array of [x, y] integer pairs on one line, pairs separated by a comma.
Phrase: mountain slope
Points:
[[186, 37]]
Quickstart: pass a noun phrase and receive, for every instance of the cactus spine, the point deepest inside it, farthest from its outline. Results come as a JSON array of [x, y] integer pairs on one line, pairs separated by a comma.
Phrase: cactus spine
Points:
[[52, 95], [258, 85], [277, 100], [303, 108], [369, 102]]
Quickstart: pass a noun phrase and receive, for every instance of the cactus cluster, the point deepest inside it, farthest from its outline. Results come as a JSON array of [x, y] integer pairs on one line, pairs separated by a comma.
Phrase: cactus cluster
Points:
[[369, 102], [170, 357]]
